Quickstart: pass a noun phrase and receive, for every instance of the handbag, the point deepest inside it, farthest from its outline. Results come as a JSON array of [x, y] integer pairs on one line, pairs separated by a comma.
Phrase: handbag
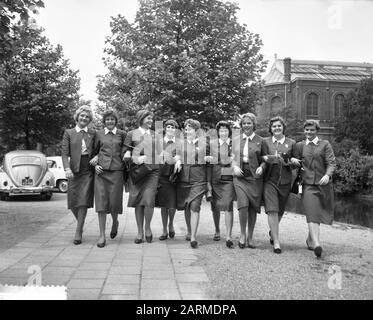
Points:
[[139, 172], [174, 177]]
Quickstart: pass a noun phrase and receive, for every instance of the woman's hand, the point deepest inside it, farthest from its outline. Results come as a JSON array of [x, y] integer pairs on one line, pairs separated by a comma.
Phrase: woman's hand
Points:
[[99, 169], [94, 161], [209, 159], [259, 171], [139, 160], [68, 173], [177, 167], [127, 156], [296, 162], [237, 171], [324, 180]]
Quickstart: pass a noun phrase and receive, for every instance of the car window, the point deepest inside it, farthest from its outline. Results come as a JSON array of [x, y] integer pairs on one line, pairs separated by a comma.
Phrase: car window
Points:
[[26, 160], [52, 164]]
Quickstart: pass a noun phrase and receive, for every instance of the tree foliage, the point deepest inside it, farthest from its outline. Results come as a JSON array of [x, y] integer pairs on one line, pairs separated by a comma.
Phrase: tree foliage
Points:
[[14, 13], [356, 123], [188, 58], [38, 92]]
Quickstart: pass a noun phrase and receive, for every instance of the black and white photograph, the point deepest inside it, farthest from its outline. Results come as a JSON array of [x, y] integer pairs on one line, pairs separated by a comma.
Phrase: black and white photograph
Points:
[[186, 155]]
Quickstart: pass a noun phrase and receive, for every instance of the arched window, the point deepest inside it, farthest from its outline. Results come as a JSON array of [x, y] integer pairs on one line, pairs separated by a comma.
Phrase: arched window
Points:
[[275, 104], [312, 105], [338, 105]]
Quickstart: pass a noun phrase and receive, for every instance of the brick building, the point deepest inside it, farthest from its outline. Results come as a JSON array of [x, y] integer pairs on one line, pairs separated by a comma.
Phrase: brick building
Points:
[[314, 89]]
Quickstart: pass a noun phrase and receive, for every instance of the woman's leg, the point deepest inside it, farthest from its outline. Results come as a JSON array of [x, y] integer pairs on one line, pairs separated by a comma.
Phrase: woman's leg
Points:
[[75, 213], [251, 225], [148, 212], [164, 214], [216, 218], [243, 215], [82, 213], [273, 222], [314, 234], [171, 215], [102, 225], [228, 224], [187, 216], [114, 227], [139, 214], [194, 221]]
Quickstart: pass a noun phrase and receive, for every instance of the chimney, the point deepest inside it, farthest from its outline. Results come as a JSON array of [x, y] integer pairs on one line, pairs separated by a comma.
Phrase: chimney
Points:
[[287, 69]]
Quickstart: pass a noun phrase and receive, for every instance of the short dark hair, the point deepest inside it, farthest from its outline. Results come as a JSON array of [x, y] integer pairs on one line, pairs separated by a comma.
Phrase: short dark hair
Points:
[[109, 113], [195, 124], [312, 122], [171, 122], [223, 124], [274, 119]]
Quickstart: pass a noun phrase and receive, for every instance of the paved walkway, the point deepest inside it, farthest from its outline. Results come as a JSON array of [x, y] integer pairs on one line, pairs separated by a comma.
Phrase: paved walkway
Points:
[[121, 270]]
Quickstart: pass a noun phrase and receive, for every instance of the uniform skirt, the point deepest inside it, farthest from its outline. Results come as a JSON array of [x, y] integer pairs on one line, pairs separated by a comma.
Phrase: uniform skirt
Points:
[[248, 192], [109, 192], [166, 194], [275, 197], [143, 192], [80, 188], [318, 203], [223, 196]]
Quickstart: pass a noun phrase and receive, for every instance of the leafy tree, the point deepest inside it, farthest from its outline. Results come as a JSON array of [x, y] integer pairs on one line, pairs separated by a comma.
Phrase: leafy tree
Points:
[[38, 92], [356, 123], [187, 58], [13, 13]]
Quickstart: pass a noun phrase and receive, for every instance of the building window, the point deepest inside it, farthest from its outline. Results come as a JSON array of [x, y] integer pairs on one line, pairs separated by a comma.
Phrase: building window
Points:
[[312, 105], [275, 105], [338, 105]]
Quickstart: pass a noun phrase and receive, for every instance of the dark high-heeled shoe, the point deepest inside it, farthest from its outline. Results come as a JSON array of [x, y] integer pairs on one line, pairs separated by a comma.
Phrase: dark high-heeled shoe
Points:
[[194, 244], [77, 242], [216, 237], [318, 251], [277, 250], [187, 238], [270, 238], [241, 245], [114, 233], [149, 238], [101, 245], [163, 237], [229, 244], [171, 234], [138, 241]]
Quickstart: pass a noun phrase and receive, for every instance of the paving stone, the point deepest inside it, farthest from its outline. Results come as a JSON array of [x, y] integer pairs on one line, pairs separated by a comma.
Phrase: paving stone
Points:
[[123, 270], [131, 289], [95, 266], [156, 294], [157, 274], [191, 277], [189, 269], [190, 287], [85, 283], [118, 297], [90, 274], [83, 294], [160, 284], [58, 271], [194, 296], [55, 280], [123, 279]]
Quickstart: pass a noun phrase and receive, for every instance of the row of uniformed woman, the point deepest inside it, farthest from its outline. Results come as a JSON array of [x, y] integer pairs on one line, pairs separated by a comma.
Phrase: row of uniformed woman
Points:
[[179, 171]]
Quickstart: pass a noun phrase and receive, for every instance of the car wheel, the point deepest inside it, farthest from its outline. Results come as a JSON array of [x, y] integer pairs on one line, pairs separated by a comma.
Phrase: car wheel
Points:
[[62, 186], [48, 196]]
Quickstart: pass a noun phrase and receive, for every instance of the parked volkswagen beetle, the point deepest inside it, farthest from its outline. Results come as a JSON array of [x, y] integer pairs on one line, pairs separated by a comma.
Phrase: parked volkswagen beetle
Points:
[[25, 172]]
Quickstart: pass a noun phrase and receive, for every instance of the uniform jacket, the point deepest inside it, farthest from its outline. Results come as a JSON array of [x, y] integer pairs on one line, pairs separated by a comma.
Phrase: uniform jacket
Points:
[[72, 148], [256, 151], [317, 161], [287, 148], [110, 149], [222, 161]]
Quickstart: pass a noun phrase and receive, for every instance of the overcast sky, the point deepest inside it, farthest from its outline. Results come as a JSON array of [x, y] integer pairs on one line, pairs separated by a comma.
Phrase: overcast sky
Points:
[[300, 29]]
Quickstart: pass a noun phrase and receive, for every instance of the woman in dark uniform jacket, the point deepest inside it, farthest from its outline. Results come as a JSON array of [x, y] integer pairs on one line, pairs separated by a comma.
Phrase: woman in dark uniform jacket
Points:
[[192, 183], [248, 166], [142, 193], [77, 144], [223, 193], [166, 195], [109, 146], [318, 165], [279, 157]]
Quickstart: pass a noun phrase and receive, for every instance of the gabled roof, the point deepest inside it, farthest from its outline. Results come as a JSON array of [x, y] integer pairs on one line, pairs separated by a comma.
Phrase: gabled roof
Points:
[[319, 70]]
